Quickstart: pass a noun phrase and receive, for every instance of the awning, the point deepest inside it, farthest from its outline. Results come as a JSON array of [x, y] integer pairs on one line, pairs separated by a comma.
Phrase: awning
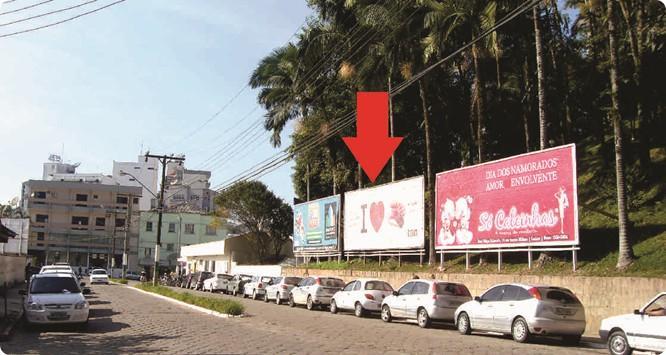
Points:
[[6, 233]]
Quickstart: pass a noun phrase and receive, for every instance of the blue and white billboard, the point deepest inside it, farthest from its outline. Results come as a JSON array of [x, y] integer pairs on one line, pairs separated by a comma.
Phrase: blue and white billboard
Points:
[[316, 224]]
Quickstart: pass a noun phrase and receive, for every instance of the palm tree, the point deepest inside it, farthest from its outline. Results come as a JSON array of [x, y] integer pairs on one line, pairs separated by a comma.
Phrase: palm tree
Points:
[[541, 80], [625, 254]]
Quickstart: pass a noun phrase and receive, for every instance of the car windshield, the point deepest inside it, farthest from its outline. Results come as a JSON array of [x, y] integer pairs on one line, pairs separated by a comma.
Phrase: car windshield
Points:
[[224, 276], [562, 295], [378, 286], [444, 288], [266, 279], [292, 280], [99, 272], [246, 277], [331, 282], [54, 285]]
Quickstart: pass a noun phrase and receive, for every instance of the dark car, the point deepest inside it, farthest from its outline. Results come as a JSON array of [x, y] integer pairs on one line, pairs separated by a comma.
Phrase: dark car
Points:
[[203, 275]]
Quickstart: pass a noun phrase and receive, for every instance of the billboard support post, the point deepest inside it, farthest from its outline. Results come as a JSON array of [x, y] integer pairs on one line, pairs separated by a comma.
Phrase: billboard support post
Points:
[[441, 260], [574, 259], [499, 260], [466, 260], [529, 258]]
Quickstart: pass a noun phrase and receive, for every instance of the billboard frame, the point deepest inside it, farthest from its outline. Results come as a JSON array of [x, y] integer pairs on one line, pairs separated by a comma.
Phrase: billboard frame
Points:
[[318, 252]]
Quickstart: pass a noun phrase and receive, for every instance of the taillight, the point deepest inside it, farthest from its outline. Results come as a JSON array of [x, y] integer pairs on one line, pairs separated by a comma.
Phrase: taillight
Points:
[[434, 291], [260, 285], [284, 287], [318, 281], [369, 296], [535, 293]]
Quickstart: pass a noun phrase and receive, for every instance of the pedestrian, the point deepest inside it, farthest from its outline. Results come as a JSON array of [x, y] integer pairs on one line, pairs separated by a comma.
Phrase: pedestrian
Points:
[[80, 271]]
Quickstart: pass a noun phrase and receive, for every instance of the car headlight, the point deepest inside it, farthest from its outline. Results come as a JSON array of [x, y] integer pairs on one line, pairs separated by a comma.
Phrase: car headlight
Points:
[[81, 305], [34, 306]]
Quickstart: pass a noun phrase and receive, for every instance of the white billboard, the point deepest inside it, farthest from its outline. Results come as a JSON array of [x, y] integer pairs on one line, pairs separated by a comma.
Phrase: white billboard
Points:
[[384, 217]]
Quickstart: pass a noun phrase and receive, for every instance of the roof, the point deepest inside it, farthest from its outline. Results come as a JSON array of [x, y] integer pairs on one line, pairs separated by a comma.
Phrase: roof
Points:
[[53, 274], [6, 233]]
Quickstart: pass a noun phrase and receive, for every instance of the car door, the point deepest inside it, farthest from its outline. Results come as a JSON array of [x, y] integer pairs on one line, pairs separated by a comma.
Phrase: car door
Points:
[[400, 301], [300, 293], [342, 299], [416, 298], [482, 318], [650, 329], [505, 308]]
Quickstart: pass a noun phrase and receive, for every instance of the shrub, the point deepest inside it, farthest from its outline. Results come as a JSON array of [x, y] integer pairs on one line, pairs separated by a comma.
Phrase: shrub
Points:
[[230, 307]]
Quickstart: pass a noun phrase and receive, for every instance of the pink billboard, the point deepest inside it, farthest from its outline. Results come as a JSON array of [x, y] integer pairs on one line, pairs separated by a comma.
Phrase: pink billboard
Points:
[[525, 200]]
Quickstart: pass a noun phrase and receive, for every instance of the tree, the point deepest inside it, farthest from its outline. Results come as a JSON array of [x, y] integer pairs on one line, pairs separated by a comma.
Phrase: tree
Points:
[[266, 219]]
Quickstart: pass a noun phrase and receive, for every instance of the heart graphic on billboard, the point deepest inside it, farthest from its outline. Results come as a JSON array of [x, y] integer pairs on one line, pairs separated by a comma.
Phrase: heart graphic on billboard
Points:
[[377, 215]]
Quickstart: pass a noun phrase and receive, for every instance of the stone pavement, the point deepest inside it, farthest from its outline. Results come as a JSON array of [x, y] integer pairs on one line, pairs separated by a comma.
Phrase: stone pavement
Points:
[[127, 321]]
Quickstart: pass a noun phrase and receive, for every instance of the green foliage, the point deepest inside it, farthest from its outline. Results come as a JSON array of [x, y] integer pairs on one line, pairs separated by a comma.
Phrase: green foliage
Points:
[[120, 281], [223, 306]]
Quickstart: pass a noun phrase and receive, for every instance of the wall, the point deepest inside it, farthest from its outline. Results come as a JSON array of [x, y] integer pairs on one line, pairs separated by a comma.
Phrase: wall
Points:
[[602, 296], [12, 269], [257, 270], [19, 244]]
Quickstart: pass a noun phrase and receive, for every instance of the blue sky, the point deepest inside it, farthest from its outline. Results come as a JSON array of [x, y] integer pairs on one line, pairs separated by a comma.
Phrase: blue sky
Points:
[[141, 73]]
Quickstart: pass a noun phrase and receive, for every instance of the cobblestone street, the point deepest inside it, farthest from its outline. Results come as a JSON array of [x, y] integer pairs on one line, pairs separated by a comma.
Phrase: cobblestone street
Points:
[[128, 321]]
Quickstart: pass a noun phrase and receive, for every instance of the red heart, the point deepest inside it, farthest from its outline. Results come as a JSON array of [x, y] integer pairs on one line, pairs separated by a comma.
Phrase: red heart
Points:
[[377, 215]]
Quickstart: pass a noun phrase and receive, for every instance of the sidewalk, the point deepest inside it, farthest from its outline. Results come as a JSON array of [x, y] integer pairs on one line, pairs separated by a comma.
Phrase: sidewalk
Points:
[[11, 310]]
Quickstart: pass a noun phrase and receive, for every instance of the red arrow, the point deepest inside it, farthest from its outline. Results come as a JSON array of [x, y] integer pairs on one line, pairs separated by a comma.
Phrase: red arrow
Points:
[[372, 147]]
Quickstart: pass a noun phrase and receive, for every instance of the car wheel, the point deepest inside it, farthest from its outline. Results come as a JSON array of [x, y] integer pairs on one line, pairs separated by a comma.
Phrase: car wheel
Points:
[[358, 310], [334, 307], [571, 339], [291, 301], [278, 300], [618, 344], [463, 324], [266, 297], [423, 318], [519, 330], [386, 313], [309, 304]]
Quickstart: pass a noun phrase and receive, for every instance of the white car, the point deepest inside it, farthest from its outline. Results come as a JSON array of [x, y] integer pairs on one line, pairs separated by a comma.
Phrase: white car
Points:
[[425, 301], [55, 298], [217, 282], [56, 268], [524, 310], [257, 287], [645, 329], [99, 276], [362, 296], [279, 289], [315, 291]]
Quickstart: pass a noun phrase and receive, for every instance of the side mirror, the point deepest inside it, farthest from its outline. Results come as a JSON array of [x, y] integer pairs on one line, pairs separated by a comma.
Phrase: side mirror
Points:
[[637, 312], [477, 299], [86, 291], [23, 292], [82, 284], [395, 293]]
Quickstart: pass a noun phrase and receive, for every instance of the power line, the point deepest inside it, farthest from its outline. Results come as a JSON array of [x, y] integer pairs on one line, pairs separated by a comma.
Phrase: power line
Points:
[[25, 7], [61, 21], [47, 13]]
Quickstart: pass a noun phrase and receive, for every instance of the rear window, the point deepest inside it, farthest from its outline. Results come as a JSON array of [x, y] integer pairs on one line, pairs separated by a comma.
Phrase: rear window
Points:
[[331, 282], [292, 280], [54, 285], [224, 276], [246, 277], [564, 296], [378, 286], [99, 272], [452, 289], [266, 279]]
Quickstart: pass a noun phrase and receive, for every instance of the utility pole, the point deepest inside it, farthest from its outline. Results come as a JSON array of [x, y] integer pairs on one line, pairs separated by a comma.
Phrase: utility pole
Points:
[[163, 159], [128, 223]]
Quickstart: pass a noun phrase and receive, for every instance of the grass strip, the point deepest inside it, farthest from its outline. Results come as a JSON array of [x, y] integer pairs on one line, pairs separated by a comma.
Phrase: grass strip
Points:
[[224, 306], [120, 281]]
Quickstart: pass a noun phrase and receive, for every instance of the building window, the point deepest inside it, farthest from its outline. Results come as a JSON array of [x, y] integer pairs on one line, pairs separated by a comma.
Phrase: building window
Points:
[[39, 194], [81, 197], [149, 226], [172, 228], [80, 220], [41, 218], [147, 251], [169, 246], [135, 200], [137, 168], [211, 230], [100, 221], [40, 235], [189, 228], [178, 197], [151, 168], [194, 198], [40, 244], [120, 222], [121, 200], [95, 197]]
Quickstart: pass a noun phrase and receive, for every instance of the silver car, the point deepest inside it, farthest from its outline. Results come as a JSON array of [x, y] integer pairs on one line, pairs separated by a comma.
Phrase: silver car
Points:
[[315, 291], [256, 287], [56, 298], [280, 287], [524, 310], [425, 301]]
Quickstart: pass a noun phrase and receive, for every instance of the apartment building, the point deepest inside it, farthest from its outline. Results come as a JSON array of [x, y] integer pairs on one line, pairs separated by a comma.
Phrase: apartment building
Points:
[[188, 190], [142, 172], [83, 223]]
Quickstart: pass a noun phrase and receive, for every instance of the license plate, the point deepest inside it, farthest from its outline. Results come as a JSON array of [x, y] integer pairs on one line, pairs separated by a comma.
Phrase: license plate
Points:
[[565, 311], [58, 315]]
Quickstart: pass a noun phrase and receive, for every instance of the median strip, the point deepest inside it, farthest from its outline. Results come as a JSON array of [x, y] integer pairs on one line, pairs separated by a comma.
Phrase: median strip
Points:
[[217, 307]]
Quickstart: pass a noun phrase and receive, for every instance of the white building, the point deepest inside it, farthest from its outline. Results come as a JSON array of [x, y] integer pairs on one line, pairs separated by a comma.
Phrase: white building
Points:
[[188, 189], [19, 244], [142, 172]]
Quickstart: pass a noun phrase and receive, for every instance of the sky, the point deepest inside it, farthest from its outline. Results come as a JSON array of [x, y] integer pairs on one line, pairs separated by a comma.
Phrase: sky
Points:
[[139, 75]]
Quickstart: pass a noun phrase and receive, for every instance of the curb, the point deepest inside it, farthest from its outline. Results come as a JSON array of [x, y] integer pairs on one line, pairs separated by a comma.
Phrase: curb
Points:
[[197, 308]]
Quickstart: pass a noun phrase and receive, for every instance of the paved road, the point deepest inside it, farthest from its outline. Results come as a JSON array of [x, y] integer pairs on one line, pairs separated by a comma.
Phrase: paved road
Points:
[[127, 321]]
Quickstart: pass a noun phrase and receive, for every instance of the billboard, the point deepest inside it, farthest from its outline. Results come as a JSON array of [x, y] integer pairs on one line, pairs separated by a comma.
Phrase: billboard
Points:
[[525, 200], [316, 224], [384, 217]]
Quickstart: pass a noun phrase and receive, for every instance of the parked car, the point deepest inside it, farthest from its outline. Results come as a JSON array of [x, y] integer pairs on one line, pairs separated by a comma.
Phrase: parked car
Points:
[[131, 275], [201, 277], [644, 330], [236, 284], [56, 267], [315, 291], [217, 282], [99, 276], [257, 286], [279, 289], [55, 298], [425, 301], [524, 310], [362, 296]]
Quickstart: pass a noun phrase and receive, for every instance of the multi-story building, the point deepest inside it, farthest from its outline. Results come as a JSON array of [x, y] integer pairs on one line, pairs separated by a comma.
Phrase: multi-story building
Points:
[[142, 173], [188, 190], [178, 230], [83, 223]]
